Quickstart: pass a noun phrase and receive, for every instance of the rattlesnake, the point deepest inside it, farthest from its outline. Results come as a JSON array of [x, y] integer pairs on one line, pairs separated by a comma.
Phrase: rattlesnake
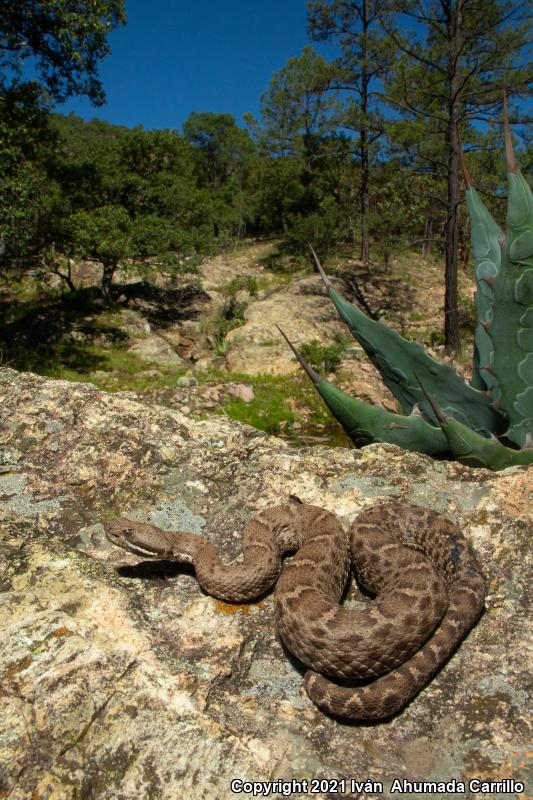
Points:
[[428, 584]]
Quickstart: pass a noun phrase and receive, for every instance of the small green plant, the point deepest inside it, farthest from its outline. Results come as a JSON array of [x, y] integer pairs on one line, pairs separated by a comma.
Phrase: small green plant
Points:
[[222, 346], [241, 283], [436, 339], [467, 313], [326, 357], [229, 318]]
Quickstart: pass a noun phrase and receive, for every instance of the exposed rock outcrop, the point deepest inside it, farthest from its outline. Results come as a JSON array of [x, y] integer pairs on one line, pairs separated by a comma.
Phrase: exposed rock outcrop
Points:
[[300, 309], [122, 680]]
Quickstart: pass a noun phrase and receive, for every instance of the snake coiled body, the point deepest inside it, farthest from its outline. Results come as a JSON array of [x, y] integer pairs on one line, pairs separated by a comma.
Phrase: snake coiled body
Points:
[[428, 586]]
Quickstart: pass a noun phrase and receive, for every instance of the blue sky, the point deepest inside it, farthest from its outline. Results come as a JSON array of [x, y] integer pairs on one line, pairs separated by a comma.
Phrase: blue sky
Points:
[[173, 58]]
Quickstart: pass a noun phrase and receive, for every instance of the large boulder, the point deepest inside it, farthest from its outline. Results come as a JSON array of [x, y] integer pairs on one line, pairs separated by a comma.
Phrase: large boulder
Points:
[[123, 680], [155, 349]]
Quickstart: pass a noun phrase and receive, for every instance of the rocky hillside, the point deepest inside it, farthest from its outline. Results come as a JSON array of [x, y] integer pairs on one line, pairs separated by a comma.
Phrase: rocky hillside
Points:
[[206, 341]]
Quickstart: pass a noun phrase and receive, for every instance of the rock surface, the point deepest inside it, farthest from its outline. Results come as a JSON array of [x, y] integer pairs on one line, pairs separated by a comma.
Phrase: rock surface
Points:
[[156, 350], [123, 680], [304, 313]]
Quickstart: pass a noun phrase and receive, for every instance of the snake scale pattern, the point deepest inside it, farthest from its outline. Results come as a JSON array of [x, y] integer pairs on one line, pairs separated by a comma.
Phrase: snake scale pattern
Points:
[[364, 664]]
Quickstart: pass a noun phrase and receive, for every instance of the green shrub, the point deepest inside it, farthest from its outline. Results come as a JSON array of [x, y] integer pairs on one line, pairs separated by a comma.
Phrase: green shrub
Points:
[[174, 264], [229, 318], [242, 283], [324, 227], [323, 357]]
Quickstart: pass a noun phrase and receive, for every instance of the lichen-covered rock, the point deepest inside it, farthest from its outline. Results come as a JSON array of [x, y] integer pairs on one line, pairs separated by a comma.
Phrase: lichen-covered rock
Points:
[[257, 347], [123, 680], [156, 349]]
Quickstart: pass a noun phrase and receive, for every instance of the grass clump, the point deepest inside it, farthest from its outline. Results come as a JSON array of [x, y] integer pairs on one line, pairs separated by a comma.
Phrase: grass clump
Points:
[[281, 403], [118, 370], [269, 411], [322, 357], [247, 283], [231, 316]]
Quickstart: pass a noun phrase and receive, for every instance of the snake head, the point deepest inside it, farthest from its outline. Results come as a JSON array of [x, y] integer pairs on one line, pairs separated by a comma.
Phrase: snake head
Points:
[[138, 538]]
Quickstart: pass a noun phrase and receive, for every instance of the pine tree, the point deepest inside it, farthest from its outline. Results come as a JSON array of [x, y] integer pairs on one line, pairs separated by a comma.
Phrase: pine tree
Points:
[[366, 56], [456, 62]]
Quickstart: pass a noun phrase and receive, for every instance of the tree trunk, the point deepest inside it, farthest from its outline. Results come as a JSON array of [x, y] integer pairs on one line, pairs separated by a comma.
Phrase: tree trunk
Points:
[[107, 279], [363, 143], [67, 278], [428, 235], [240, 231], [451, 317], [364, 198], [452, 337]]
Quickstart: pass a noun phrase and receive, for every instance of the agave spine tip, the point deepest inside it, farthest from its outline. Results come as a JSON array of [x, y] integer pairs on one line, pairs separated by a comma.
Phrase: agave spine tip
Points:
[[310, 371], [326, 280], [439, 414]]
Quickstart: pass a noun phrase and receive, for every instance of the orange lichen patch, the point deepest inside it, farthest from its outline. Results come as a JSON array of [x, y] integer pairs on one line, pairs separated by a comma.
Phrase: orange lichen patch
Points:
[[18, 666], [60, 632], [234, 608]]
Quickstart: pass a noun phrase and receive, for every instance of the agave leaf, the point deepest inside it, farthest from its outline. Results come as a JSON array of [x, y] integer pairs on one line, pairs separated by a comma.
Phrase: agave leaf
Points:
[[486, 238], [399, 361], [507, 368], [365, 424], [474, 450]]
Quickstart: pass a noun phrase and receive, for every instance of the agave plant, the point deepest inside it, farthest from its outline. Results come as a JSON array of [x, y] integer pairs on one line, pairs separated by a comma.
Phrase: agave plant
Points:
[[488, 422]]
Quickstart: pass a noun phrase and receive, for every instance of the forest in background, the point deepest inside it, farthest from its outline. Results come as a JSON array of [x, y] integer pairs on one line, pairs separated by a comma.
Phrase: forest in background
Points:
[[362, 151]]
